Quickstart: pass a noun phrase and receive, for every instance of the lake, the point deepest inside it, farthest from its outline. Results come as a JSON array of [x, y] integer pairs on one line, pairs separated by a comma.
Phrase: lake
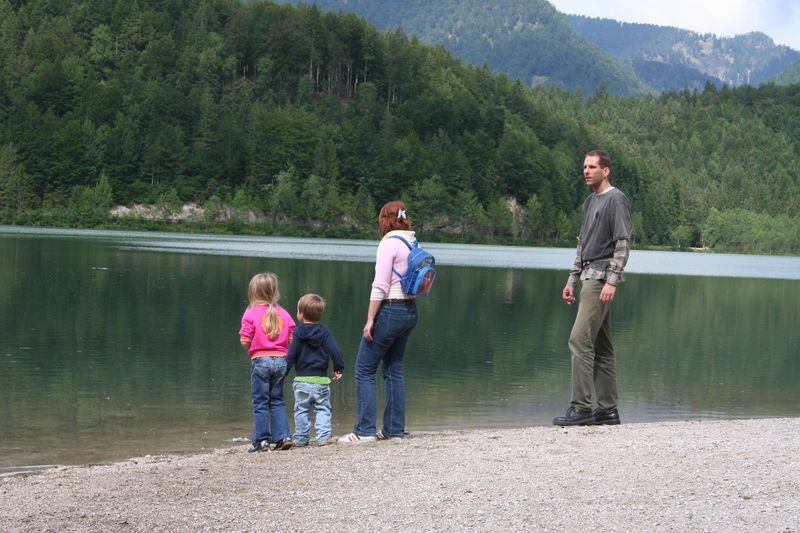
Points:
[[118, 344]]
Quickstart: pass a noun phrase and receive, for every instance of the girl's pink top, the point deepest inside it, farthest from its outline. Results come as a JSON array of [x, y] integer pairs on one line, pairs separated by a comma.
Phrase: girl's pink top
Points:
[[254, 329]]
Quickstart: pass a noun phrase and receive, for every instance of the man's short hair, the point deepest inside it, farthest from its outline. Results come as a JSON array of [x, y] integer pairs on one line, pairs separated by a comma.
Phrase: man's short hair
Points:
[[604, 158], [311, 306]]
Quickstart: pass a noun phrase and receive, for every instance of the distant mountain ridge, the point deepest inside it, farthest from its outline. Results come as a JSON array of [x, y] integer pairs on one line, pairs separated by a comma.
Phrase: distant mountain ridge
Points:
[[669, 58], [533, 41], [530, 40]]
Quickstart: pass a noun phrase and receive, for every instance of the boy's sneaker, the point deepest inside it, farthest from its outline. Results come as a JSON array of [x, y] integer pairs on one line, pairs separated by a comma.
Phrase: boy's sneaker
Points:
[[283, 444], [261, 446], [352, 438]]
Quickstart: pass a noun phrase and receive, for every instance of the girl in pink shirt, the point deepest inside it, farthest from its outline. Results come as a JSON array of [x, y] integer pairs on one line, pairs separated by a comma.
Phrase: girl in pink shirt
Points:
[[266, 333]]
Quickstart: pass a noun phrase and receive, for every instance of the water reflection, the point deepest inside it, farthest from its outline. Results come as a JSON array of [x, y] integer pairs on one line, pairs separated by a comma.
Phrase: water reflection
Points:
[[111, 349]]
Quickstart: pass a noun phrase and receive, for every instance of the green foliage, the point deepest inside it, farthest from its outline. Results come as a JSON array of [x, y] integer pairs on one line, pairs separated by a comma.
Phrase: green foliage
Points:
[[103, 195], [791, 75], [15, 184], [752, 232], [169, 204], [528, 39], [291, 120], [500, 218], [212, 208], [469, 213], [427, 198]]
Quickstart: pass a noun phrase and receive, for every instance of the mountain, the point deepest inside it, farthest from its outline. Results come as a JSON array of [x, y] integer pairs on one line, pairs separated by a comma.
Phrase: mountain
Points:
[[530, 40], [670, 58], [669, 77], [791, 75], [290, 120]]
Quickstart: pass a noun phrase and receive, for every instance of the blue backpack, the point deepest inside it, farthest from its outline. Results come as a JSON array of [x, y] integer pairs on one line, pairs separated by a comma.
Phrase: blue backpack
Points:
[[421, 273]]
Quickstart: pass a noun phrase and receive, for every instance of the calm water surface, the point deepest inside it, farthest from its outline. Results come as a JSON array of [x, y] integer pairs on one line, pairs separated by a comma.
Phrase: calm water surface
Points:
[[116, 344]]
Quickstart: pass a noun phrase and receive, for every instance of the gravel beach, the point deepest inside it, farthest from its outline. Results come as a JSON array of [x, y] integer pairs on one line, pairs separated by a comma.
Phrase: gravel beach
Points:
[[740, 475]]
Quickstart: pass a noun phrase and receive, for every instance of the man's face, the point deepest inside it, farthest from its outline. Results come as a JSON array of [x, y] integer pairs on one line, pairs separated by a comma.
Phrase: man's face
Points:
[[593, 173]]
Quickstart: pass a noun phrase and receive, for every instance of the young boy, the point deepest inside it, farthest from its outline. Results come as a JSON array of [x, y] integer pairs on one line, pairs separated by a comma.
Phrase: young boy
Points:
[[313, 345]]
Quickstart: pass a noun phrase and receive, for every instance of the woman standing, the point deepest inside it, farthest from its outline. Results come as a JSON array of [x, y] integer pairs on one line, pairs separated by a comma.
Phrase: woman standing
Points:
[[391, 316]]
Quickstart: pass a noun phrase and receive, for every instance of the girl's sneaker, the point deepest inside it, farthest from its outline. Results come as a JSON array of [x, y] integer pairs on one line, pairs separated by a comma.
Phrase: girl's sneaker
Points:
[[262, 446], [352, 438]]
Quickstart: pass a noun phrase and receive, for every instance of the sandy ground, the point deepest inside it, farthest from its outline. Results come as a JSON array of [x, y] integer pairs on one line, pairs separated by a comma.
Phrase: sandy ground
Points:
[[741, 475]]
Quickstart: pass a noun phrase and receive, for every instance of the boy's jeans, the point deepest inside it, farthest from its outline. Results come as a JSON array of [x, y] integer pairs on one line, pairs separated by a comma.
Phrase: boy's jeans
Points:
[[308, 396], [270, 422], [393, 325]]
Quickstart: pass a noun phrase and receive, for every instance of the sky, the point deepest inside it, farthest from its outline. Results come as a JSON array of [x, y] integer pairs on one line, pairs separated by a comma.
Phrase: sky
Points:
[[780, 19]]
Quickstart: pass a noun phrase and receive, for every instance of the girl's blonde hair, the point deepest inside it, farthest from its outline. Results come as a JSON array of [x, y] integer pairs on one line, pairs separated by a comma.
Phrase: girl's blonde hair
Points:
[[263, 290]]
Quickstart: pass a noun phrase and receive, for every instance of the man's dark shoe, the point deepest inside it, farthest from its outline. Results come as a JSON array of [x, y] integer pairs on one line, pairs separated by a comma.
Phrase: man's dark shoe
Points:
[[606, 417], [575, 417]]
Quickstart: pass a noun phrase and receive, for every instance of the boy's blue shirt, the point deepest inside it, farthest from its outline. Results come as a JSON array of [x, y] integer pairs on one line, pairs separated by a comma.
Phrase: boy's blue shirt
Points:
[[312, 347]]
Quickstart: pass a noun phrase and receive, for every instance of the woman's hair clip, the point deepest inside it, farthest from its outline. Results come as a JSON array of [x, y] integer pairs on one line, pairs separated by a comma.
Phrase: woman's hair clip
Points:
[[401, 214]]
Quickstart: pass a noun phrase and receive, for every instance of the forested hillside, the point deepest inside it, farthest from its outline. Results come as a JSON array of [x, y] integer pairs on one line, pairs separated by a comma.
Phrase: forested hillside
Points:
[[527, 39], [685, 58], [789, 76], [290, 120]]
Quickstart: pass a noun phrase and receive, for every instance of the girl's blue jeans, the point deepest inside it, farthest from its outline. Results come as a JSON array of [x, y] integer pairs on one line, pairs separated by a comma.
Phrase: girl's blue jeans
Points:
[[390, 332], [270, 422]]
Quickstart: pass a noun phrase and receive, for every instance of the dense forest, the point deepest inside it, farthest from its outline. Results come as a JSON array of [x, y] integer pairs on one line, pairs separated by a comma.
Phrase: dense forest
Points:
[[526, 39], [290, 120], [789, 76], [531, 40]]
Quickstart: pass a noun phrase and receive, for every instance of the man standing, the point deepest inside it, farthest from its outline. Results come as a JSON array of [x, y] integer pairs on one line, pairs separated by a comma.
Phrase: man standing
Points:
[[601, 258]]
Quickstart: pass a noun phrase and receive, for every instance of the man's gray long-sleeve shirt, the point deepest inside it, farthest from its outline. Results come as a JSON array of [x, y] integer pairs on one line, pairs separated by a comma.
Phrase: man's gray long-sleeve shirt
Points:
[[603, 241]]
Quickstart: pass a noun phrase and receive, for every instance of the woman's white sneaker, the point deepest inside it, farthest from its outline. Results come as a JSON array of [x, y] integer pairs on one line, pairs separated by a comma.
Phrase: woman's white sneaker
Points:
[[352, 438]]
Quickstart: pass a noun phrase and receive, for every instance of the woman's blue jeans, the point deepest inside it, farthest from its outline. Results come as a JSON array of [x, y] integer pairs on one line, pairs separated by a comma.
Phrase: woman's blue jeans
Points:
[[389, 337], [270, 421]]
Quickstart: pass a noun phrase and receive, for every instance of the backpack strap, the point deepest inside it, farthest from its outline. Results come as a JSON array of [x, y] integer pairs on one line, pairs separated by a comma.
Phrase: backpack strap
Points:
[[400, 238], [399, 275]]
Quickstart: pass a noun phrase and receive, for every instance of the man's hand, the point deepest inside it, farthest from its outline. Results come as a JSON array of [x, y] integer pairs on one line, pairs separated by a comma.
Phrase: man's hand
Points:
[[567, 294], [337, 375], [607, 293]]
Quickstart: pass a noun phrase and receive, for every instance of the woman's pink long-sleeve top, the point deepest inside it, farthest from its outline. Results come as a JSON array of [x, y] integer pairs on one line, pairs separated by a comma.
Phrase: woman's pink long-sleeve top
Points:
[[392, 254]]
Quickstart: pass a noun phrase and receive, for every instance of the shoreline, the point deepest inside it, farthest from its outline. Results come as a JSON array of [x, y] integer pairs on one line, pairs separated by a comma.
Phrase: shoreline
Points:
[[732, 475], [222, 230]]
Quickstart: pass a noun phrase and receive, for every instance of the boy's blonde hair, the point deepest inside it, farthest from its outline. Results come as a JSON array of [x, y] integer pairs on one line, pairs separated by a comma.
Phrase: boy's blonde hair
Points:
[[311, 306], [263, 290]]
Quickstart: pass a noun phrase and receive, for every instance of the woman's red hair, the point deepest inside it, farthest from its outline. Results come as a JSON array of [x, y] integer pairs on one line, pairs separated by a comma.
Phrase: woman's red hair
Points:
[[388, 219]]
